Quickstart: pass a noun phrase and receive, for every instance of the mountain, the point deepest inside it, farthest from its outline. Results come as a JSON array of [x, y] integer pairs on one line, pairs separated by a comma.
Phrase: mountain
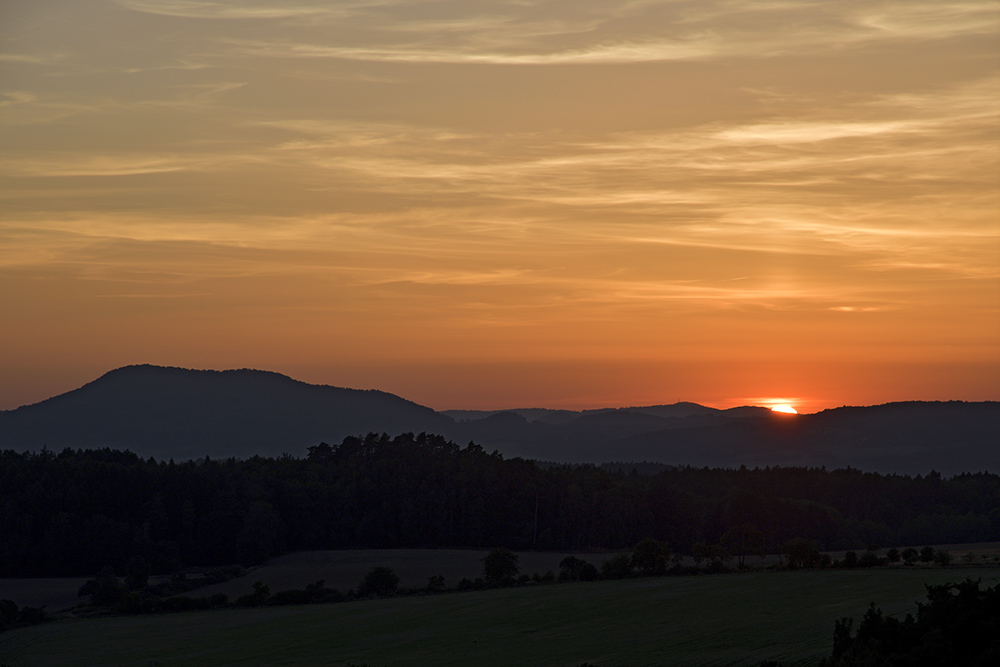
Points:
[[906, 437], [185, 414]]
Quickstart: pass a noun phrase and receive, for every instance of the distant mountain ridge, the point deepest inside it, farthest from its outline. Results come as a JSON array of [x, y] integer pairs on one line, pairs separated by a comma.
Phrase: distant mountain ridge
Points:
[[178, 413], [184, 414]]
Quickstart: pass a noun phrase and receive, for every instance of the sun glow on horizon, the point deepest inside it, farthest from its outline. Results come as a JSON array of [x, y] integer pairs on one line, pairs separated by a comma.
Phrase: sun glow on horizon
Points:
[[784, 409]]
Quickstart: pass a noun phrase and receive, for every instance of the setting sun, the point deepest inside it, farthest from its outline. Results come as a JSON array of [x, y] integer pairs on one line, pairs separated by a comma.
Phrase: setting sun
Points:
[[786, 409]]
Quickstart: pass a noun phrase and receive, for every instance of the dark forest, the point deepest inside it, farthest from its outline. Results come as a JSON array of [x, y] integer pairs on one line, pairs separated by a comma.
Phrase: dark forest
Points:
[[78, 511]]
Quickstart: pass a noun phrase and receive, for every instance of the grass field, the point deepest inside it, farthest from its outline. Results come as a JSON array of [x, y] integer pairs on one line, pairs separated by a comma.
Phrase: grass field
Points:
[[732, 619], [341, 569], [344, 570]]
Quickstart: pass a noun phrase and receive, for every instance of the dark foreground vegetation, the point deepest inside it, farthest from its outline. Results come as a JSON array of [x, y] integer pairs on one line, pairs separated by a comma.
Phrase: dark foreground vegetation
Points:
[[958, 625], [754, 618], [77, 512]]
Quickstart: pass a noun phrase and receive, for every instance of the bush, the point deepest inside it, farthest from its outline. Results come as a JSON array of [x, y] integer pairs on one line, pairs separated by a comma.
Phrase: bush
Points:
[[650, 557], [956, 627], [942, 558], [137, 574], [618, 566], [380, 581], [105, 590], [32, 616], [8, 614], [500, 567], [716, 566], [466, 584], [801, 552], [291, 596], [259, 597], [572, 568], [869, 559]]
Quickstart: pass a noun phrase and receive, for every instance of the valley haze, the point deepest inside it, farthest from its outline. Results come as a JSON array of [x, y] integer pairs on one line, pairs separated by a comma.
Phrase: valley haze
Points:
[[175, 413]]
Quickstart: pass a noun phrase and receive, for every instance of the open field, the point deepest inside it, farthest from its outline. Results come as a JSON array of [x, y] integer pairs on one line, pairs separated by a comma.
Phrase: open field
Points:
[[344, 569], [734, 619]]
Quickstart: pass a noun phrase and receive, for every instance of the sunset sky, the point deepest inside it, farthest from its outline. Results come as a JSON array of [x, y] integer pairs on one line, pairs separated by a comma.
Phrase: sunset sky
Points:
[[490, 204]]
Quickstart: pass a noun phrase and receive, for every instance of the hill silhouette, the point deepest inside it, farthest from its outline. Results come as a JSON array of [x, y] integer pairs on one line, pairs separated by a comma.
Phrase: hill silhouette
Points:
[[185, 414]]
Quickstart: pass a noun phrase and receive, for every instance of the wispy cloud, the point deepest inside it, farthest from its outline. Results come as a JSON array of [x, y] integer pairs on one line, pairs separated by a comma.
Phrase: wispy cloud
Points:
[[628, 52], [25, 58], [622, 34], [246, 9], [660, 170], [63, 165]]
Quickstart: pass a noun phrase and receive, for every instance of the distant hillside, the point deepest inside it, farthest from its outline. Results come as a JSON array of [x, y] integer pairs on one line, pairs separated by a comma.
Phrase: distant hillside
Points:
[[907, 438], [185, 414]]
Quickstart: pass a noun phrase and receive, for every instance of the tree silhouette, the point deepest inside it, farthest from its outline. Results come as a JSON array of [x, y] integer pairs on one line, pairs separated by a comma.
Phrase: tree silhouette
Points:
[[500, 567], [744, 540], [380, 581], [957, 626], [650, 557]]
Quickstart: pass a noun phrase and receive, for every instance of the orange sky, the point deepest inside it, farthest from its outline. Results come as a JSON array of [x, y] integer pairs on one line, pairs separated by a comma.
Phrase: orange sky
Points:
[[485, 204]]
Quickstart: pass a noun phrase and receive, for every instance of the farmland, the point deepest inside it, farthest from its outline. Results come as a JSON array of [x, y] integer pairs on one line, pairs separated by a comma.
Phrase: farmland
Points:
[[730, 619]]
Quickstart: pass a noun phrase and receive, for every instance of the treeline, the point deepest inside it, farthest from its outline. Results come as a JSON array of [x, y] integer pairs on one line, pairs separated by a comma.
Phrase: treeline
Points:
[[76, 512], [958, 625]]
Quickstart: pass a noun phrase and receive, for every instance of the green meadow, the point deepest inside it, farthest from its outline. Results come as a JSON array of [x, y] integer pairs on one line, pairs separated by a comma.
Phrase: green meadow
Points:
[[727, 619]]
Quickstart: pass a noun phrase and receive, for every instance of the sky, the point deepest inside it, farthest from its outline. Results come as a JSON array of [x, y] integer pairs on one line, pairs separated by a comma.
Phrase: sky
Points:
[[506, 203]]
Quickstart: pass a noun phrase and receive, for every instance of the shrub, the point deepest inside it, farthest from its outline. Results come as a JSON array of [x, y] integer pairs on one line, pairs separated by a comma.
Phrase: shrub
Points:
[[380, 581], [32, 616], [942, 558], [572, 568], [8, 614], [956, 627], [801, 552], [105, 590], [650, 557], [291, 596], [869, 559], [500, 567], [260, 595], [618, 566]]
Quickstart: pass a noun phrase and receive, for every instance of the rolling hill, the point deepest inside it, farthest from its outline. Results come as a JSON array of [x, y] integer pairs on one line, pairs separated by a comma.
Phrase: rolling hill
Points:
[[184, 414]]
